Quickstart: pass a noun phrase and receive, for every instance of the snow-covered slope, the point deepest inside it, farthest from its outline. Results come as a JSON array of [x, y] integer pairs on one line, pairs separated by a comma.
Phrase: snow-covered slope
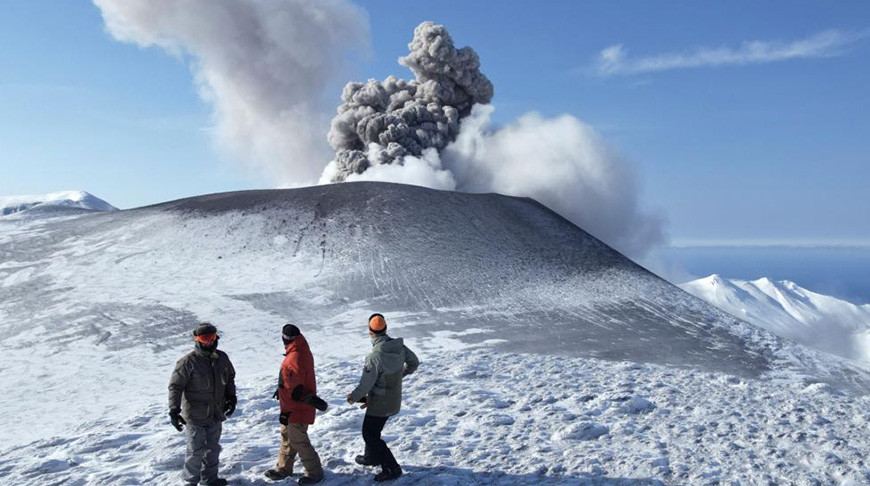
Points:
[[788, 310], [485, 418], [67, 200], [96, 308]]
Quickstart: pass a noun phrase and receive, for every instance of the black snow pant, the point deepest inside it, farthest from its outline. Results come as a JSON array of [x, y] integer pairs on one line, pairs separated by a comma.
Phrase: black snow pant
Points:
[[377, 451]]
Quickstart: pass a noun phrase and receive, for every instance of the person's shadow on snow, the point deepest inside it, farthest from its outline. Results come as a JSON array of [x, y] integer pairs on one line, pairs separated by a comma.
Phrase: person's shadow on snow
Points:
[[456, 476]]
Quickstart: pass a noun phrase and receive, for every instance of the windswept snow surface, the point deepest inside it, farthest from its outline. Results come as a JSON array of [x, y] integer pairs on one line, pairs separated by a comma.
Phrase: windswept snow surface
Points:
[[547, 356], [788, 310], [498, 418], [55, 200]]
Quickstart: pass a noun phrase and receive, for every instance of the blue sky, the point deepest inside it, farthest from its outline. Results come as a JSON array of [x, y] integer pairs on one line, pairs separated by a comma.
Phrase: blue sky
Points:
[[747, 143]]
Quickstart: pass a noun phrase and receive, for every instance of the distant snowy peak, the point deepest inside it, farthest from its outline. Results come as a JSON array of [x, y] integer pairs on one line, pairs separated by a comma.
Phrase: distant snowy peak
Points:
[[787, 309], [65, 199]]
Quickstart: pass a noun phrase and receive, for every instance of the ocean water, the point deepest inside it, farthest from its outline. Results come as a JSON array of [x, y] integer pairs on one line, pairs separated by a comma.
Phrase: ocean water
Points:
[[843, 272]]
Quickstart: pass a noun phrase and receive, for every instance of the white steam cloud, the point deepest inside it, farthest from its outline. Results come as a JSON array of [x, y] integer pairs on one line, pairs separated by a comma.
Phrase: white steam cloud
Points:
[[562, 163], [435, 131], [262, 64]]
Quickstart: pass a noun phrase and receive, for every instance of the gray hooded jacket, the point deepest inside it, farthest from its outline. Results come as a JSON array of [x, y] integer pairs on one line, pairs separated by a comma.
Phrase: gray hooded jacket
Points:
[[200, 386], [381, 382]]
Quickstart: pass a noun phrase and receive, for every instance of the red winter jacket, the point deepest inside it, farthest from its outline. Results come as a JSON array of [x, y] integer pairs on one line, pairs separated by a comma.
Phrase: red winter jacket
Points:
[[297, 369]]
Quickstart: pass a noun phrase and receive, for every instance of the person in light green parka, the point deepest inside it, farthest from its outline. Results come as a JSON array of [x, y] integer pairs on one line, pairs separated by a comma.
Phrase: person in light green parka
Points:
[[380, 389]]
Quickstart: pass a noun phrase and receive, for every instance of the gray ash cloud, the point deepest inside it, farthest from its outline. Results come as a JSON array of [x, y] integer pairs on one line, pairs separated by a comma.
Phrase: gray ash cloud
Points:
[[381, 122]]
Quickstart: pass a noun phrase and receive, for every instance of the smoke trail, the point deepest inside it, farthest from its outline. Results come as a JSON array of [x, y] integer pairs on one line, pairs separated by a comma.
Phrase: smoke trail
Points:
[[434, 131], [263, 64]]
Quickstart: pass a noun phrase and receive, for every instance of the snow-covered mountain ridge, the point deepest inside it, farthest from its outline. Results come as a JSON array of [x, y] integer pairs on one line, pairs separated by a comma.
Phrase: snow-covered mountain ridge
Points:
[[786, 309], [534, 336], [66, 199]]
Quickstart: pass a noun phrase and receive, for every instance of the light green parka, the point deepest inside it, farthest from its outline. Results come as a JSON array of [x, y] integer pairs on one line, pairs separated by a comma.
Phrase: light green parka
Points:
[[381, 383]]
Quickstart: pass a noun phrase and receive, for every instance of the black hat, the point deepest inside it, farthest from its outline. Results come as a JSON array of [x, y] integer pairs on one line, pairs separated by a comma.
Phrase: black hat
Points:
[[204, 328], [289, 331]]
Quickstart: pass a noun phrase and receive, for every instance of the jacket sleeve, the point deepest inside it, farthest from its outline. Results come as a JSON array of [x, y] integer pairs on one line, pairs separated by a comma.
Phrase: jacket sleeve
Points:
[[230, 390], [411, 362], [177, 384], [367, 381]]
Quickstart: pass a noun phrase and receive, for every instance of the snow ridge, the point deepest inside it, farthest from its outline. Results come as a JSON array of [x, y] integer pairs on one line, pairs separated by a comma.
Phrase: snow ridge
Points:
[[65, 199], [791, 311]]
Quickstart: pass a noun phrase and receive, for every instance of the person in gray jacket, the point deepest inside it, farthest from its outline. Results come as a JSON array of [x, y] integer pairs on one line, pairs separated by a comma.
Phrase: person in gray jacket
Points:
[[202, 394], [380, 391]]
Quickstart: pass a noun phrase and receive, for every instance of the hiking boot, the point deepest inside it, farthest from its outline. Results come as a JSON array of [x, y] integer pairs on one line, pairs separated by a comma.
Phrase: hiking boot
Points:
[[310, 479], [363, 461], [217, 482], [388, 474], [277, 474]]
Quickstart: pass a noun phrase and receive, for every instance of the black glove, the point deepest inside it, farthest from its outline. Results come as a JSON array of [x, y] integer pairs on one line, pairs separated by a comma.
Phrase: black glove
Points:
[[316, 402], [284, 418], [300, 394], [176, 419], [230, 405]]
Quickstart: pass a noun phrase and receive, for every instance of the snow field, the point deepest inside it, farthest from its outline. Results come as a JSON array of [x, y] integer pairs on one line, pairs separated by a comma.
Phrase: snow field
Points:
[[477, 417], [111, 299]]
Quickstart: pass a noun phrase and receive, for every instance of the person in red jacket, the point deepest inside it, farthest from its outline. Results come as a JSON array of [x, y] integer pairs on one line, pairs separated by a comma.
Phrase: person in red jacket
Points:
[[296, 393]]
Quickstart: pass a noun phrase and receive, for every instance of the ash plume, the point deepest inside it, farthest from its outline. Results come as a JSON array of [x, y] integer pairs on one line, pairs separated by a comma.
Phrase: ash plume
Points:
[[382, 122], [264, 65], [435, 131]]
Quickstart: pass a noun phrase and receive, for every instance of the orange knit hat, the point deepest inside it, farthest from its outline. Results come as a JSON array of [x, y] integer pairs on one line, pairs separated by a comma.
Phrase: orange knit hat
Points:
[[377, 323]]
